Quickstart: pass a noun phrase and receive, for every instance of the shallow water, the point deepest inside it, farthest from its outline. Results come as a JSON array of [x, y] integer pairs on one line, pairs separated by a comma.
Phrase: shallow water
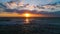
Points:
[[30, 25]]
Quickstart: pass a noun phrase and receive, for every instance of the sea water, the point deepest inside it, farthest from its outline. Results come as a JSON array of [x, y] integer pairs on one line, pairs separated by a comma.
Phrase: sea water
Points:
[[38, 25]]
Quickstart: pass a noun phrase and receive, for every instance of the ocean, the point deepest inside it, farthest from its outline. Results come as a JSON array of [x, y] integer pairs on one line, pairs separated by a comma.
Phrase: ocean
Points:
[[31, 25]]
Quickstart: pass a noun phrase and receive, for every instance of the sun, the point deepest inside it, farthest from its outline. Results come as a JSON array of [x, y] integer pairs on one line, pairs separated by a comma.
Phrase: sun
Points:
[[27, 15]]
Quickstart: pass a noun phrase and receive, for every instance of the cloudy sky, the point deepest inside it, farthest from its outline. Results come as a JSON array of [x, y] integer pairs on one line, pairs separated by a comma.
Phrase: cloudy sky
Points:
[[35, 2]]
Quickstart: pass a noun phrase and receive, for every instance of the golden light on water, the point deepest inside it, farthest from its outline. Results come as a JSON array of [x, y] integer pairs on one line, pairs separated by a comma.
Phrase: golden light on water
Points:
[[27, 20]]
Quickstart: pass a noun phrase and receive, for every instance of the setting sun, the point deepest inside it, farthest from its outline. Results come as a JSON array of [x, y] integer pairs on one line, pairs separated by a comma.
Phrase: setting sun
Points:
[[27, 15]]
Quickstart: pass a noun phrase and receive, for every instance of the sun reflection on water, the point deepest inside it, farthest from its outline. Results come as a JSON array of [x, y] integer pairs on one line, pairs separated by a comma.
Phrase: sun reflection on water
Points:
[[26, 21]]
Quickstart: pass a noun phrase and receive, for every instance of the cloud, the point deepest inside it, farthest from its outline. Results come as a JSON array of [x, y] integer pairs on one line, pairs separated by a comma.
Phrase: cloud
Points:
[[22, 6], [49, 0]]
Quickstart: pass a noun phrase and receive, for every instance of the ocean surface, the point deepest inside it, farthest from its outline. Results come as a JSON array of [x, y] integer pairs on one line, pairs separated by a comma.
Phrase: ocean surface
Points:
[[32, 25]]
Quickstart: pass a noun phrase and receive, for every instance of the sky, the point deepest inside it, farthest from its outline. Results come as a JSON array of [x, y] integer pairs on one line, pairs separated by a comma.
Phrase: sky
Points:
[[35, 2]]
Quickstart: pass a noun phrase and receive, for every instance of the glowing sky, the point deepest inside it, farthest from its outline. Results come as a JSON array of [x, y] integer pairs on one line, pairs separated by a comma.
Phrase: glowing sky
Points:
[[35, 2]]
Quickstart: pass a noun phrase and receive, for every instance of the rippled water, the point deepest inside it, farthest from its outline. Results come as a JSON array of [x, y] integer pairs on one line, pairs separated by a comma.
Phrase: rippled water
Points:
[[30, 25]]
